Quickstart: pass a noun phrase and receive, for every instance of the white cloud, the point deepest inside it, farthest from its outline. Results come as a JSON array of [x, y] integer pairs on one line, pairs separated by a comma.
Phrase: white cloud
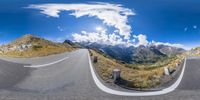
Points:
[[115, 39], [57, 39], [168, 44], [111, 14], [99, 37], [114, 15], [142, 39]]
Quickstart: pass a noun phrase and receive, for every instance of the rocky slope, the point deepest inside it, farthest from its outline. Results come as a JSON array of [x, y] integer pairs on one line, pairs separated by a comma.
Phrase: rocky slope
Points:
[[32, 46], [69, 43], [194, 52]]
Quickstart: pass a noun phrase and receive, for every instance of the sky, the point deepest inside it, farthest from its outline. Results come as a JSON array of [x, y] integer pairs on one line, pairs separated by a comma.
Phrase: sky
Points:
[[129, 22]]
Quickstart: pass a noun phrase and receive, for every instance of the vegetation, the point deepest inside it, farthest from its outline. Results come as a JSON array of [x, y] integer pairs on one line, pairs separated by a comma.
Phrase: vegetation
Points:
[[134, 75], [31, 46], [38, 51], [36, 47]]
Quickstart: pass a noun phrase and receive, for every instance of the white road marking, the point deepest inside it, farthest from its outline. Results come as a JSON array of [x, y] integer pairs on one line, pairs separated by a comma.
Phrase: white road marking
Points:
[[43, 65], [122, 93]]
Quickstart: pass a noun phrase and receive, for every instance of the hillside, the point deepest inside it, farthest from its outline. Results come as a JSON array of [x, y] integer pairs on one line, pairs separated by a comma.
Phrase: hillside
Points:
[[141, 67], [137, 55], [144, 54], [71, 44], [194, 52], [32, 46], [135, 76]]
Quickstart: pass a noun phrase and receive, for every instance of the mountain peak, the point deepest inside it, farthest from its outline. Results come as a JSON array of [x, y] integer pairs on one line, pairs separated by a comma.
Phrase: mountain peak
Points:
[[26, 39], [28, 36], [26, 42]]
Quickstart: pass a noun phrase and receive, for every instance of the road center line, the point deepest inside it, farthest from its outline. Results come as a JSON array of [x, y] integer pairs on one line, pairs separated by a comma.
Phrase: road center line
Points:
[[122, 93], [43, 65]]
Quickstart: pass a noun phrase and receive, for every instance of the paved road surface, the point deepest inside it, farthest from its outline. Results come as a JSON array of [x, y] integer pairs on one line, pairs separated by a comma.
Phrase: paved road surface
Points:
[[191, 78], [71, 79]]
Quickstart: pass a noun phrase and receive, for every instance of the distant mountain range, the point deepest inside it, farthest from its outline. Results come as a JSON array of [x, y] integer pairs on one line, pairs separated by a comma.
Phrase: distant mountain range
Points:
[[33, 46], [138, 55]]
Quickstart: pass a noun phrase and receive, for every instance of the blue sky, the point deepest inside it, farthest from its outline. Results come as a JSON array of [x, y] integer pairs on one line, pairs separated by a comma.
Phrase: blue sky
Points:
[[159, 20]]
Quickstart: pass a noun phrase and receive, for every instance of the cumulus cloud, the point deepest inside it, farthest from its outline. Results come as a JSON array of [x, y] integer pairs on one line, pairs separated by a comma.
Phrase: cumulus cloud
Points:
[[142, 39], [111, 14], [101, 37], [168, 44], [114, 39], [114, 15]]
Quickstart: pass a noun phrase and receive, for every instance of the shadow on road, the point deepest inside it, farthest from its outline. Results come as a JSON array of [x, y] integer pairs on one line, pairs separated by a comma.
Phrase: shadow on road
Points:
[[12, 73]]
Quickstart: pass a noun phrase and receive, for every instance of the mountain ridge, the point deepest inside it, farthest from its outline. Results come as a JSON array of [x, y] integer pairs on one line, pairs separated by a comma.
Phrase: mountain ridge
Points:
[[141, 54], [33, 46]]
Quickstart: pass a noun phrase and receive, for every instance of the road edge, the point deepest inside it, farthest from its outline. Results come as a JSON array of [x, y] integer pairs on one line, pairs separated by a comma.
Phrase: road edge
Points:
[[123, 93]]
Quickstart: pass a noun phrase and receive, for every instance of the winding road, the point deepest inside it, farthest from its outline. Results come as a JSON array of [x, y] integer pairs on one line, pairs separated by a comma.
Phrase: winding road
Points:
[[69, 76]]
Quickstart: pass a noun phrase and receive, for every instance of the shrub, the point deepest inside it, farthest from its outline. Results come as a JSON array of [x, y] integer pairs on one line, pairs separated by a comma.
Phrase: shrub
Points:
[[36, 47]]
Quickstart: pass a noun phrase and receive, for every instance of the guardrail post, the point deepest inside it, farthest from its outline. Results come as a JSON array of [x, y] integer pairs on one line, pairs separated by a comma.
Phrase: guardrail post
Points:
[[177, 64], [95, 59], [166, 71], [116, 74]]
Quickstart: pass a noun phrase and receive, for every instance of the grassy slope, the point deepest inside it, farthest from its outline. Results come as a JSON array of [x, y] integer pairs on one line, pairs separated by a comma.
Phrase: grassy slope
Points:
[[38, 52], [137, 77], [40, 47]]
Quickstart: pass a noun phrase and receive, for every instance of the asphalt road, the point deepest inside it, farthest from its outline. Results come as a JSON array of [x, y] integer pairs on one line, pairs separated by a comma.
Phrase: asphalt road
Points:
[[191, 77], [71, 79]]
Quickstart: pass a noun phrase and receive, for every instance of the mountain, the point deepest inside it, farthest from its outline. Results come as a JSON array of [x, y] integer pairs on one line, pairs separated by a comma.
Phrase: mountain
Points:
[[71, 44], [33, 46], [169, 50], [141, 54], [194, 51]]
